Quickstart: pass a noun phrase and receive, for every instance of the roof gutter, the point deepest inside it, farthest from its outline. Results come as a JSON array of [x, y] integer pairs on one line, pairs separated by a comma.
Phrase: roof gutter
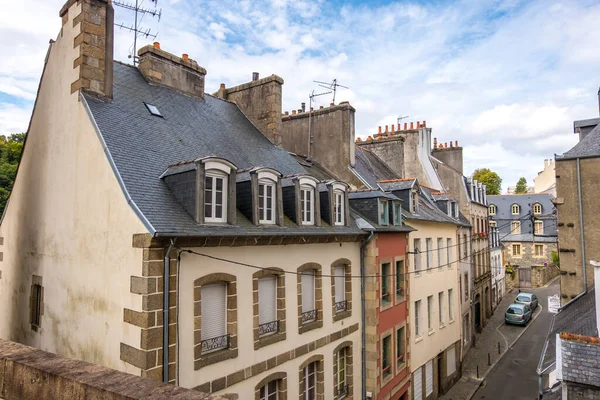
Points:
[[113, 165], [363, 304]]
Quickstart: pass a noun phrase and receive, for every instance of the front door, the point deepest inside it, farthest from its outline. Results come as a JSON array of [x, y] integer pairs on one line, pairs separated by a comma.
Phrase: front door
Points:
[[477, 314], [525, 277]]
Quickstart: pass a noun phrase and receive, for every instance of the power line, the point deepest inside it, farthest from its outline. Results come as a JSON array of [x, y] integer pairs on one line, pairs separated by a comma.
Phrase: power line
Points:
[[328, 275]]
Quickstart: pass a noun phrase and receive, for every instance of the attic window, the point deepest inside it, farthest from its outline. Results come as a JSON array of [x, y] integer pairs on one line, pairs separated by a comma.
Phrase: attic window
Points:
[[153, 110]]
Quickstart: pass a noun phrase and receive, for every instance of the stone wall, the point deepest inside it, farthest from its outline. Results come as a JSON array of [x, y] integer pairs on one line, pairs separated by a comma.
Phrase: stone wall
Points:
[[29, 373], [450, 156], [569, 228], [527, 257], [540, 276]]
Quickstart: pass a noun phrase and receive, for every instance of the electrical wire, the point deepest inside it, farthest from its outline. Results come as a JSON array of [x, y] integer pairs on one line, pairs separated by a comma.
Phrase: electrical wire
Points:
[[278, 270]]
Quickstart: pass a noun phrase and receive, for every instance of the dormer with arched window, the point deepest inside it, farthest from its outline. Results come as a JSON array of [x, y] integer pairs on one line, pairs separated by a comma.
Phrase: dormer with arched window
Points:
[[334, 203], [206, 188], [414, 201], [492, 209], [537, 209], [515, 209], [301, 201]]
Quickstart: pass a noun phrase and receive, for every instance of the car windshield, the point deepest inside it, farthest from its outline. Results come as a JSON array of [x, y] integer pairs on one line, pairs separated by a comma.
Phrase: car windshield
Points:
[[516, 311], [523, 298]]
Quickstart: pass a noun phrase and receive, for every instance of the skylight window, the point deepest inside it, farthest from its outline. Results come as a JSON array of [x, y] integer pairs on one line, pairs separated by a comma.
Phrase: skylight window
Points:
[[153, 110]]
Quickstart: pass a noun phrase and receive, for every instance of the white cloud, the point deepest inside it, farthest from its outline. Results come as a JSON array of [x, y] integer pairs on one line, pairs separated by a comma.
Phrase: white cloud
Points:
[[504, 78], [14, 119]]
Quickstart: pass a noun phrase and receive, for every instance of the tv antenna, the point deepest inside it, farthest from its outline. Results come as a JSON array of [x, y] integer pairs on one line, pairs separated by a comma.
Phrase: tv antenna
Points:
[[399, 119], [333, 85], [140, 12], [311, 96]]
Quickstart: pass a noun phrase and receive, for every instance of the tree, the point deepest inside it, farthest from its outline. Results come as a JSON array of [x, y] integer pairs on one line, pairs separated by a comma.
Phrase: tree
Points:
[[490, 179], [10, 154], [521, 186]]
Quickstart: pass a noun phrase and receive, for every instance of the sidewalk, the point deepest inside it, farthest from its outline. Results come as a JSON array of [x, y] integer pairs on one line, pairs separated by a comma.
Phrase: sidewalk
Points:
[[487, 342]]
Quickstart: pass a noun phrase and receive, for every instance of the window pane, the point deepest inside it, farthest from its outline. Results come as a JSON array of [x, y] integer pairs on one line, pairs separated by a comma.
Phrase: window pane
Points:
[[219, 184], [218, 211]]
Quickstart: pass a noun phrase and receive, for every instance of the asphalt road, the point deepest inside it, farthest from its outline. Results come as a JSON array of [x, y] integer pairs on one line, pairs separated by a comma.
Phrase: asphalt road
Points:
[[515, 377]]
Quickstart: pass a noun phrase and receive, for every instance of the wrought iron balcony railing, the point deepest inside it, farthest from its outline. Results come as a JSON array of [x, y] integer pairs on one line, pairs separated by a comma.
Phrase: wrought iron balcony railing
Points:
[[341, 306], [213, 344], [268, 328], [342, 392], [309, 316]]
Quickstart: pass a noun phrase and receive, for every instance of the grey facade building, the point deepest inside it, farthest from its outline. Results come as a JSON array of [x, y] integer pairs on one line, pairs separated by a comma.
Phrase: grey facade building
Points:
[[528, 233]]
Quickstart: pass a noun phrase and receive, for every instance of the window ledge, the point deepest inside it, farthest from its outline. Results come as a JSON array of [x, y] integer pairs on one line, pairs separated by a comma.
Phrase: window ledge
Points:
[[442, 326], [419, 338], [215, 357], [309, 326], [269, 339], [431, 332], [451, 321], [341, 315]]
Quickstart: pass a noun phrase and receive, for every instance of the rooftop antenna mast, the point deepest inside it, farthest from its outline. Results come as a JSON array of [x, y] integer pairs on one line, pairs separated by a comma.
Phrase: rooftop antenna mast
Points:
[[310, 107], [137, 30], [399, 119], [333, 85]]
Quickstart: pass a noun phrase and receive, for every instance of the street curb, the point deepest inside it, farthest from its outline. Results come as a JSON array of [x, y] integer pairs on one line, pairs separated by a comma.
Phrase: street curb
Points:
[[470, 396]]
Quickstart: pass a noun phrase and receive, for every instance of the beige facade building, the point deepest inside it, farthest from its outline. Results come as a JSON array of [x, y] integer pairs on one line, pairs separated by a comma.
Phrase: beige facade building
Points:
[[545, 181], [577, 179], [134, 183]]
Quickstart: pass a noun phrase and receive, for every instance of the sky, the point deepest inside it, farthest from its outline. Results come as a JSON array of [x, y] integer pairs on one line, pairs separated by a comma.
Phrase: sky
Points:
[[504, 78]]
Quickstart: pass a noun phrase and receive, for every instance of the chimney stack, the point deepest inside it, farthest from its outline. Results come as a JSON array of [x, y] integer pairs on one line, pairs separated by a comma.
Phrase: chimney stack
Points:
[[255, 76], [178, 73], [303, 107], [405, 125], [94, 38], [386, 129], [456, 144], [411, 126], [379, 130]]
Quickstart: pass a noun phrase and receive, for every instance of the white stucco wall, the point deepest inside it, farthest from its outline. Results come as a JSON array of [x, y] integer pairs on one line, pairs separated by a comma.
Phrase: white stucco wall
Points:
[[288, 258], [68, 222], [429, 283]]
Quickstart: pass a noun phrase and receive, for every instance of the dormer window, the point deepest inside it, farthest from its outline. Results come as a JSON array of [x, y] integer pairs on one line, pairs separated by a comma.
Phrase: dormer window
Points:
[[414, 204], [266, 201], [397, 213], [307, 204], [215, 200], [537, 208], [515, 209], [492, 209], [338, 207], [383, 212], [455, 210]]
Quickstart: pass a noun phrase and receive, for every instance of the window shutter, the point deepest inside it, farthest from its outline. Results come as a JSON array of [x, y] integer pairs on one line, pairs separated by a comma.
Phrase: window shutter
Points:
[[308, 291], [213, 308], [267, 299], [429, 378], [418, 384], [340, 284]]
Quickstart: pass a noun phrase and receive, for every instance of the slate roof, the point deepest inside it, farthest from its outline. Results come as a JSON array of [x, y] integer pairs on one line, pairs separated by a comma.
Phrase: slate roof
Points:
[[578, 317], [580, 362], [397, 184], [370, 168], [370, 194], [143, 146], [586, 122], [589, 146], [504, 216]]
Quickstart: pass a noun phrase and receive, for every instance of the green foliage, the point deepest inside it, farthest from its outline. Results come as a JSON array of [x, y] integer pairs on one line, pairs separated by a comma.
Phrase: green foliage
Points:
[[490, 179], [555, 259], [10, 154], [521, 186], [509, 270]]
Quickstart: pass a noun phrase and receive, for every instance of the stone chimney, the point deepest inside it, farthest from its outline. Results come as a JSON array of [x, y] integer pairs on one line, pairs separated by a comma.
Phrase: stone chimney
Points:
[[450, 155], [178, 73], [260, 101], [94, 36]]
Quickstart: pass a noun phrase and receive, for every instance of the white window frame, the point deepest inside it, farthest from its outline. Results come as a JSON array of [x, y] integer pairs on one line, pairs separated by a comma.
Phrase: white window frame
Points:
[[307, 206], [450, 305], [312, 305], [267, 393], [339, 207], [306, 375], [535, 227], [429, 251], [449, 252], [214, 175], [516, 246], [341, 355], [493, 224], [441, 307], [418, 332], [430, 313], [492, 209], [515, 228], [264, 202], [397, 213], [537, 209], [515, 207]]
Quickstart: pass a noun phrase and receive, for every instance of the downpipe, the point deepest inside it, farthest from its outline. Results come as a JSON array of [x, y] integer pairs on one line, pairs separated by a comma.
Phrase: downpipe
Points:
[[364, 313], [166, 296]]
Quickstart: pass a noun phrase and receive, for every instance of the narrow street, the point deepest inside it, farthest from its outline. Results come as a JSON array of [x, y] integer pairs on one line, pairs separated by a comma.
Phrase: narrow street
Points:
[[515, 377]]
